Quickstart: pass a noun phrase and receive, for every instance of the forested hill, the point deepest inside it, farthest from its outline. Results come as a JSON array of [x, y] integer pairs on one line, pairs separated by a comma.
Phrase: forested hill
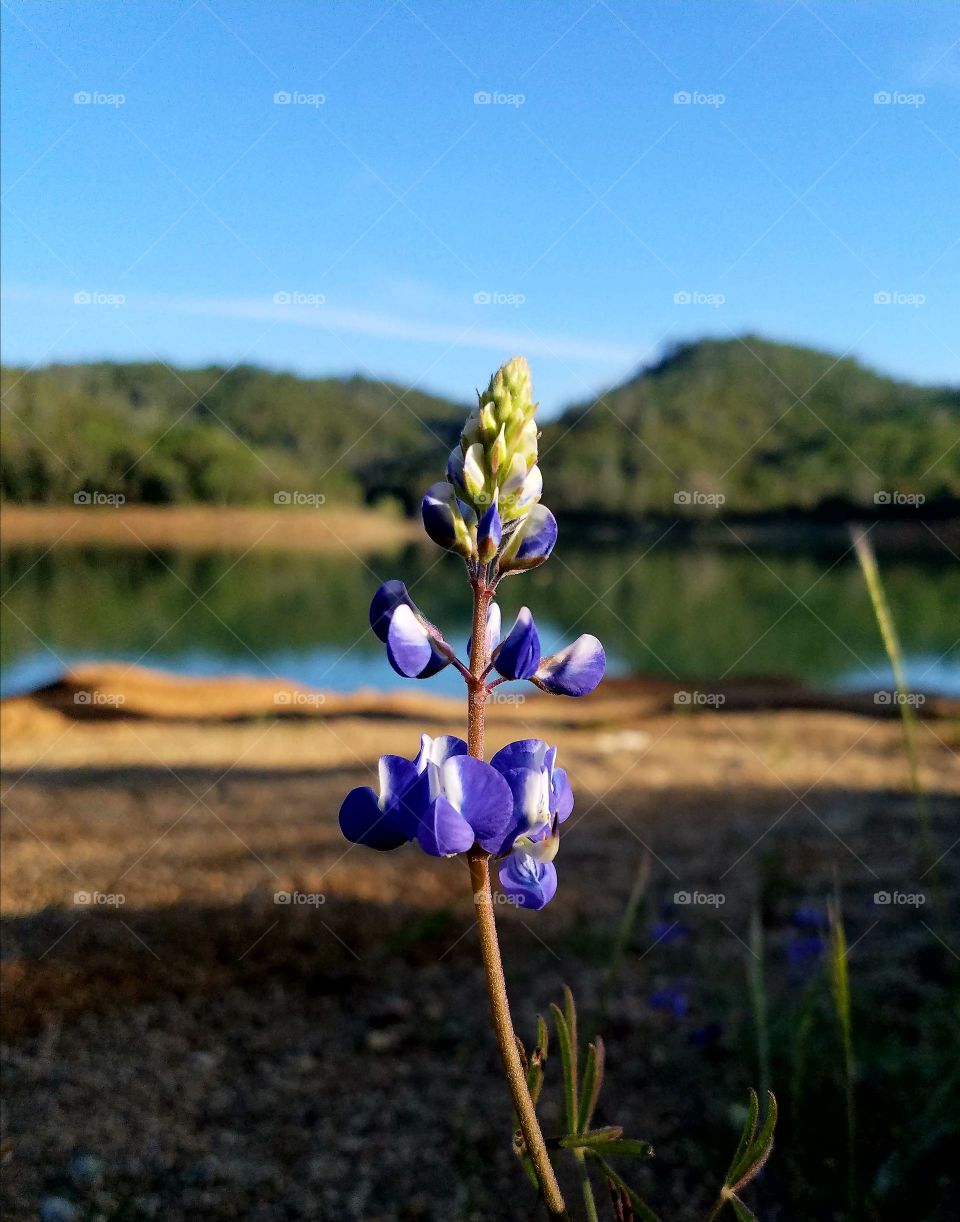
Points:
[[738, 426], [771, 428]]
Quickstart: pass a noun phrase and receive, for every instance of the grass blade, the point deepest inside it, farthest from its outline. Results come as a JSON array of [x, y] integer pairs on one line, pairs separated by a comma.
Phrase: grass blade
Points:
[[840, 989], [569, 1067], [592, 1081]]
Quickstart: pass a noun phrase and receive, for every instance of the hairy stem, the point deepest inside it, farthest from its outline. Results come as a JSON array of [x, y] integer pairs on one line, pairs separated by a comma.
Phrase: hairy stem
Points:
[[486, 924]]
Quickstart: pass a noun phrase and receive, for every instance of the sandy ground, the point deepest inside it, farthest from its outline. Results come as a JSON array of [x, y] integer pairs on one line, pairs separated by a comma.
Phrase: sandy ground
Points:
[[222, 1055]]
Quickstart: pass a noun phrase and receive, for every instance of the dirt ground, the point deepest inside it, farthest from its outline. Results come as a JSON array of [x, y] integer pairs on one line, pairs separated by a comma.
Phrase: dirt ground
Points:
[[181, 1045]]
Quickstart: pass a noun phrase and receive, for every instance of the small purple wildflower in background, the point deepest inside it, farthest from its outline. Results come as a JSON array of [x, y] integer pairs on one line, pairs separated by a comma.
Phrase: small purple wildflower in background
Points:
[[807, 943]]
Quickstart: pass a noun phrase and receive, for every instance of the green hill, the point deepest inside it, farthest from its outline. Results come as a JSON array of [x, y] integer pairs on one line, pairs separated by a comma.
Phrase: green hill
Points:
[[771, 428], [736, 426]]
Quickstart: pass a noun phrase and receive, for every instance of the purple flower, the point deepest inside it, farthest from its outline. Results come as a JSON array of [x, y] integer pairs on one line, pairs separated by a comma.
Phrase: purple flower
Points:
[[672, 999], [489, 533], [447, 520], [459, 801], [541, 790], [574, 671], [382, 821], [519, 655], [528, 883], [414, 647], [542, 800], [531, 543]]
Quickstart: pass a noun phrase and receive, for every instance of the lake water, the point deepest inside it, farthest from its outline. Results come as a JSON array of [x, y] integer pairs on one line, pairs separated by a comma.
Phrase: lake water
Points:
[[689, 613]]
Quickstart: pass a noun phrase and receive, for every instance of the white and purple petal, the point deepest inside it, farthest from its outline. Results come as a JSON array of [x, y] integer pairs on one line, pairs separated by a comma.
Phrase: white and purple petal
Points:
[[528, 883], [391, 594], [519, 655], [443, 831], [363, 822], [438, 750], [409, 648], [482, 796], [574, 671], [531, 543]]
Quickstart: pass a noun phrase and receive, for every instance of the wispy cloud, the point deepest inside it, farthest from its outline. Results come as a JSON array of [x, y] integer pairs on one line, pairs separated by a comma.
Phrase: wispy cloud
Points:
[[468, 331]]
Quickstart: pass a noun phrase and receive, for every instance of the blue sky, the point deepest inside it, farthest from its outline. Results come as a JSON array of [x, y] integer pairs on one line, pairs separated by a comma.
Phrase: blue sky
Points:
[[386, 222]]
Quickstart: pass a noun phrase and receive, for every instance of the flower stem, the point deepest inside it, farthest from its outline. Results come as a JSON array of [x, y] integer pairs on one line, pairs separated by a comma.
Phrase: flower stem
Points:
[[486, 924]]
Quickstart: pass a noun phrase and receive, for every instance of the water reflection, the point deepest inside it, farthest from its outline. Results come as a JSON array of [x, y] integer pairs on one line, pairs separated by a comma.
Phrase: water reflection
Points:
[[688, 612]]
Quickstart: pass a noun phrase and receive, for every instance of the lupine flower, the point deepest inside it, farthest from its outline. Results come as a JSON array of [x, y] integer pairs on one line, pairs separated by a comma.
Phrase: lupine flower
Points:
[[542, 800], [574, 671], [448, 521], [414, 647], [519, 655], [528, 883], [673, 999], [459, 802], [444, 798], [531, 542], [497, 455], [806, 946], [489, 533], [382, 821], [488, 511]]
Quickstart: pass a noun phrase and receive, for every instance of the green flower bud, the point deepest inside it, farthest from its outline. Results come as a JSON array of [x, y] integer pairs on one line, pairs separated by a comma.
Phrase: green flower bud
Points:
[[498, 447]]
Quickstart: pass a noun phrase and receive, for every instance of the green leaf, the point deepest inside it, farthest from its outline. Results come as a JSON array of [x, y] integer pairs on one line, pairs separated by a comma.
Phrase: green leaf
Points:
[[626, 1146], [570, 1013], [573, 1141], [643, 1211], [569, 1066], [746, 1137], [738, 1207], [543, 1039], [759, 1150], [592, 1081]]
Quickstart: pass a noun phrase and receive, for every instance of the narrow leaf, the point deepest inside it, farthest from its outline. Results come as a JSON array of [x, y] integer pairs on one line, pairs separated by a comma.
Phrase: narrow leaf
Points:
[[570, 1013], [746, 1137], [592, 1081], [643, 1211], [573, 1141], [760, 1147], [626, 1146], [566, 1058], [543, 1040], [743, 1214]]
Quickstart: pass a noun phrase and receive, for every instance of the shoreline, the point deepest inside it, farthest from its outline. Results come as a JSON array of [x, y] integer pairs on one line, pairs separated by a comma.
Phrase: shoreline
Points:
[[206, 528], [231, 528]]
